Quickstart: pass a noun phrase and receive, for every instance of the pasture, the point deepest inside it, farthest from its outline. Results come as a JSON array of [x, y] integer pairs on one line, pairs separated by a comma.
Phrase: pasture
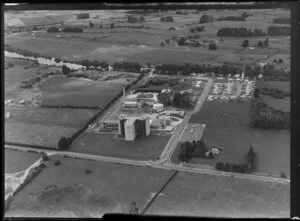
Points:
[[227, 125], [22, 70], [204, 195], [60, 90], [142, 44], [16, 160], [143, 148], [68, 191], [43, 126]]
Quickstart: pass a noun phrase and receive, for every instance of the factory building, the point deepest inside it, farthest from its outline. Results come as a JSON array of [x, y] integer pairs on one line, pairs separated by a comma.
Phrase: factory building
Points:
[[110, 125], [132, 127]]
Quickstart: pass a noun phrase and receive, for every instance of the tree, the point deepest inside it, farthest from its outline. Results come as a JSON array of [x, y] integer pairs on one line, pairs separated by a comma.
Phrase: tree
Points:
[[63, 143], [266, 43], [112, 25], [280, 61], [133, 208], [245, 43], [91, 24], [256, 93], [65, 70], [212, 46], [260, 44], [162, 43], [57, 60], [142, 19]]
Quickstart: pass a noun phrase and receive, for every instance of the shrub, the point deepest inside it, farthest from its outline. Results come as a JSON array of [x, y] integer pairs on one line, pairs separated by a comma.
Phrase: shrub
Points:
[[205, 19], [167, 19], [57, 163], [57, 60], [282, 175], [212, 46], [88, 171], [43, 165], [45, 158], [245, 43], [63, 143]]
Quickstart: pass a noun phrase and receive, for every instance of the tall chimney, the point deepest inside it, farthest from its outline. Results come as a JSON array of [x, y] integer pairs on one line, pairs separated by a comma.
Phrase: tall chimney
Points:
[[124, 94]]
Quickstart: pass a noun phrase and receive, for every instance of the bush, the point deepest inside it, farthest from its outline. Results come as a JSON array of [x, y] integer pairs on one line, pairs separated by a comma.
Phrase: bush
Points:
[[167, 19], [53, 29], [212, 46], [88, 171], [245, 43], [63, 143], [57, 163], [45, 158], [43, 165], [205, 19], [57, 60], [282, 175]]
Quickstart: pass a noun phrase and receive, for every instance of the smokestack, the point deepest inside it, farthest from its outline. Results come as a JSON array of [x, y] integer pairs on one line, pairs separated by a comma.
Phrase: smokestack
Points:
[[124, 94]]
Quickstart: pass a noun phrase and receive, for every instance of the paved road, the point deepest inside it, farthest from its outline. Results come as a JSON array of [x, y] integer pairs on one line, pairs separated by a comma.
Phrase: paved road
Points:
[[173, 141], [155, 164]]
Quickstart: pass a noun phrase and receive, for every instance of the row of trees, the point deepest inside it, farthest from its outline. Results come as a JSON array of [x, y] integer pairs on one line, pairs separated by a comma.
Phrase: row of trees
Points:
[[239, 168], [279, 30], [239, 32], [227, 68], [232, 18], [25, 52], [264, 117], [66, 29], [127, 66], [175, 98], [282, 20], [274, 92], [70, 106], [188, 150], [260, 44]]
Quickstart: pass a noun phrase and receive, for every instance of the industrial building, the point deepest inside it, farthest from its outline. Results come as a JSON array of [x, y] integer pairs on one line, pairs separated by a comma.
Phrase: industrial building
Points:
[[131, 127]]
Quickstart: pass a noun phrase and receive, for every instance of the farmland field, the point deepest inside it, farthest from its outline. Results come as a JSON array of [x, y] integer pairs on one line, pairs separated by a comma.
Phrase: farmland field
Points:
[[109, 188], [143, 148], [21, 70], [217, 196], [227, 125], [43, 126], [60, 90], [16, 160]]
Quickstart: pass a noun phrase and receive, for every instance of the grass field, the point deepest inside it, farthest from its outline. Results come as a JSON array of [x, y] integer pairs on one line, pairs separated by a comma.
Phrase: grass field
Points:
[[43, 126], [143, 148], [281, 85], [60, 90], [227, 125], [217, 196], [278, 104], [22, 70], [16, 160], [109, 188]]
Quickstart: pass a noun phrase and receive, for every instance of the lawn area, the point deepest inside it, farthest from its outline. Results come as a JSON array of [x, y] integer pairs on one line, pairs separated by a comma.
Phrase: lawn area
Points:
[[202, 195], [109, 188], [277, 104], [60, 90], [143, 148], [43, 126], [16, 160], [233, 132], [281, 85]]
